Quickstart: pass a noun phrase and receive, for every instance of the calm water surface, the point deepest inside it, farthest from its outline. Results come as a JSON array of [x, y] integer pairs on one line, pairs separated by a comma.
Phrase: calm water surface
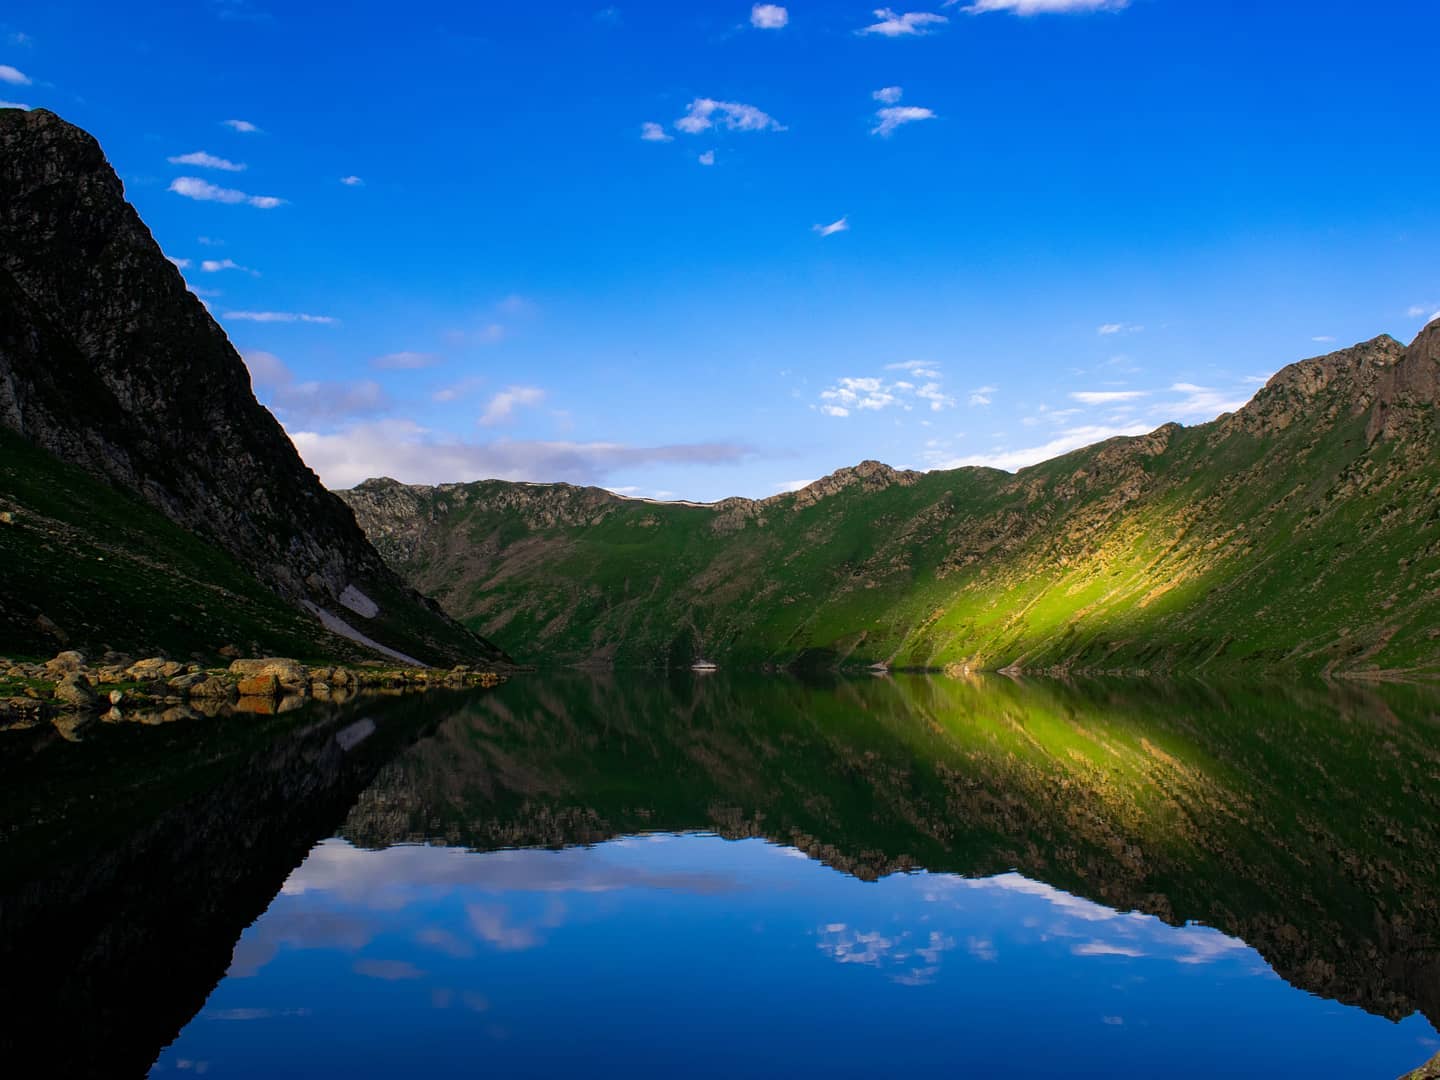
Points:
[[729, 877]]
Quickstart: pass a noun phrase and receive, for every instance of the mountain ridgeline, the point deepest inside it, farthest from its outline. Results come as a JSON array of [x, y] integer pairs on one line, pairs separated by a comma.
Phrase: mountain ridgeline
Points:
[[1300, 533], [147, 500]]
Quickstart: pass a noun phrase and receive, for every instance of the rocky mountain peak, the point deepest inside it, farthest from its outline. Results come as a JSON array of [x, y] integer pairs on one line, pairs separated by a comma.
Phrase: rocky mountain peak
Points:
[[109, 362]]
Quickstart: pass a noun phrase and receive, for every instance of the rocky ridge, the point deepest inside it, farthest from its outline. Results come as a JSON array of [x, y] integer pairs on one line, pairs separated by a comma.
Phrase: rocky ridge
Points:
[[109, 362], [1299, 532]]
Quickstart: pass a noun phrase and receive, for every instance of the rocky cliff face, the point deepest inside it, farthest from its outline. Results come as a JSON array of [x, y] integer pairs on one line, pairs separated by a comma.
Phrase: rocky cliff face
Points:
[[1299, 532], [108, 362]]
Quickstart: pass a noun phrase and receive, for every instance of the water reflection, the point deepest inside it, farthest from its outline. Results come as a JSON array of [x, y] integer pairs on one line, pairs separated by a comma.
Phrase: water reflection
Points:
[[504, 868]]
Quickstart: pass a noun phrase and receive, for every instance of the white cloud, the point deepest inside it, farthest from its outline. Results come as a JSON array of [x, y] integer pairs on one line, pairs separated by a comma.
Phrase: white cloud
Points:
[[888, 95], [653, 132], [768, 16], [504, 404], [705, 113], [891, 24], [404, 361], [192, 187], [279, 317], [1417, 311], [201, 160], [352, 181], [180, 264], [893, 116], [20, 38], [1324, 339], [1199, 403], [13, 76], [781, 488], [311, 402], [210, 241], [1063, 443], [413, 455], [14, 105], [214, 266], [842, 225], [1042, 7], [873, 394], [707, 158], [982, 395], [921, 369], [244, 126], [1106, 397], [1111, 328]]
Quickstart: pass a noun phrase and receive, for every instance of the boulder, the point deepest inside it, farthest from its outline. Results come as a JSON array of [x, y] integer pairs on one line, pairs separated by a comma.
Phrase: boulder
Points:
[[65, 663], [258, 686], [151, 668], [186, 683], [291, 674], [213, 688], [73, 691]]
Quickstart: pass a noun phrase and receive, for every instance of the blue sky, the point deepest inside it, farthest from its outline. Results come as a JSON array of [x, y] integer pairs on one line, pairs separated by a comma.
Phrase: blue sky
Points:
[[696, 250]]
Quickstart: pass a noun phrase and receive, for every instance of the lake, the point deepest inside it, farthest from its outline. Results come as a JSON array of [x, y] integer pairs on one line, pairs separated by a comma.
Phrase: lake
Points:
[[649, 875]]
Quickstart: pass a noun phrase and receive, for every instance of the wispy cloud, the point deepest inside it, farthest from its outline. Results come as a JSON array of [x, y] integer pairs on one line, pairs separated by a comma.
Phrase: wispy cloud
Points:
[[705, 113], [415, 455], [243, 126], [180, 264], [873, 394], [768, 17], [312, 402], [894, 116], [352, 181], [893, 24], [214, 266], [1110, 329], [192, 187], [707, 158], [1041, 7], [280, 317], [201, 160], [13, 76], [1106, 397], [503, 405], [1323, 339], [1063, 443], [653, 132], [842, 225], [888, 95], [982, 395], [14, 105], [1198, 403], [404, 361]]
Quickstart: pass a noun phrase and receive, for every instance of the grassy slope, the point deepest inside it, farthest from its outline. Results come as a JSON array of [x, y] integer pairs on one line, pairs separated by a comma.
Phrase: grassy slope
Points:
[[1277, 538], [111, 571]]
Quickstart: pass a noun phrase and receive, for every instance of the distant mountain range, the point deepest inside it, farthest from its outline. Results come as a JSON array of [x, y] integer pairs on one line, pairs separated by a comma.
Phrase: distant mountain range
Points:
[[148, 500], [1301, 532]]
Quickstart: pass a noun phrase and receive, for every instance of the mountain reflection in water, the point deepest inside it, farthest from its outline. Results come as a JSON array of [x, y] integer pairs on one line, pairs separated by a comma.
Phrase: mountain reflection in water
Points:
[[1023, 868]]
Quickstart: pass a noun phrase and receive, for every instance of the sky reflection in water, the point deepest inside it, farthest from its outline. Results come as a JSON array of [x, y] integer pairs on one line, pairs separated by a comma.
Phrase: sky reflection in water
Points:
[[664, 954]]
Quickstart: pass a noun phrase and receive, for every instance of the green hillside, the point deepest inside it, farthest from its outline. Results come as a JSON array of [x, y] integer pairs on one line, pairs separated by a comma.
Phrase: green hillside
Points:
[[1302, 532]]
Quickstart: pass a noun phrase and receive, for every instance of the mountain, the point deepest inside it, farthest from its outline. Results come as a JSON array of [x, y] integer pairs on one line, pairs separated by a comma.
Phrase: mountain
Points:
[[1301, 532], [109, 364]]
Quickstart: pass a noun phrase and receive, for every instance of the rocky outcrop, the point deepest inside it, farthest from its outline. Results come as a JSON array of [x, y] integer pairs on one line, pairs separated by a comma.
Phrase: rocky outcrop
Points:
[[109, 362]]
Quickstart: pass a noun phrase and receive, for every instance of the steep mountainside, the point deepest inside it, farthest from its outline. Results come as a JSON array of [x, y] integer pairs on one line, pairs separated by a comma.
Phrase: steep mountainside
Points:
[[109, 363], [1301, 532]]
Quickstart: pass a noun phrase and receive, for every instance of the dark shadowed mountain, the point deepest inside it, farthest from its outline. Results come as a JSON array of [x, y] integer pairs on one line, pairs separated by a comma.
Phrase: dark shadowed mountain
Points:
[[108, 363]]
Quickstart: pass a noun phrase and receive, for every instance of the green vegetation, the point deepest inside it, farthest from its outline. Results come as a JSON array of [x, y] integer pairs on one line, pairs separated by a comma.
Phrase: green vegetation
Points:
[[108, 571], [1300, 533]]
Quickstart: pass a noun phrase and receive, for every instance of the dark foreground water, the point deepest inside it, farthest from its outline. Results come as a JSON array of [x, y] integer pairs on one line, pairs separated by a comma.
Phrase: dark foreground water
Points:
[[734, 877]]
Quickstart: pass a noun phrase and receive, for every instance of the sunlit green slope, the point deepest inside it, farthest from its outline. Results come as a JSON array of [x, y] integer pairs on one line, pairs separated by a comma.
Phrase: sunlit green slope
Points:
[[1302, 531]]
